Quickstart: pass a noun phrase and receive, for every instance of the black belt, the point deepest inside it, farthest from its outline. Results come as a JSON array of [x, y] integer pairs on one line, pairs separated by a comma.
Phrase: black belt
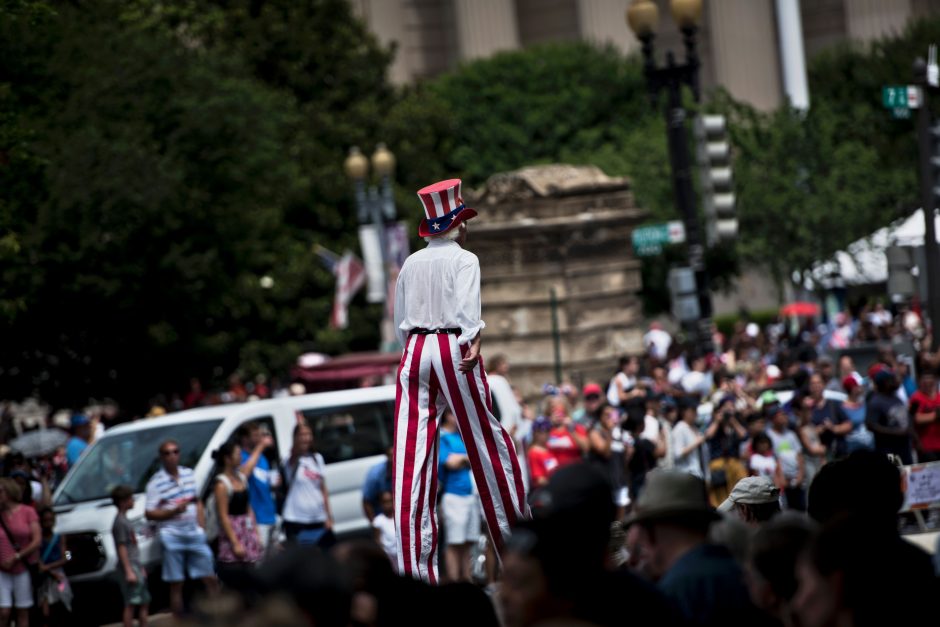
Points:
[[420, 331]]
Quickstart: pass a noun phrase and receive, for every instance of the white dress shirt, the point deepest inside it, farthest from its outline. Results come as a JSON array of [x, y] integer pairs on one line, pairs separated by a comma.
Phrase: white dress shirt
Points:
[[439, 288]]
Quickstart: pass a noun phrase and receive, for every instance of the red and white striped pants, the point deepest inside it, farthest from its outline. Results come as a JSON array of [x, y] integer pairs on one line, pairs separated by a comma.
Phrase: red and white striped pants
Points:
[[428, 382]]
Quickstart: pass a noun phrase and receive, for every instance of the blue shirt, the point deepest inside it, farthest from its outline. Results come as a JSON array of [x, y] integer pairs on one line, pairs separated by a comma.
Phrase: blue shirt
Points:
[[74, 449], [377, 482], [259, 490], [453, 481]]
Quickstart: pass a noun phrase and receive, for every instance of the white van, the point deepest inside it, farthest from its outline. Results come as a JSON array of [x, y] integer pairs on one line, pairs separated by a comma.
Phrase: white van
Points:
[[352, 430]]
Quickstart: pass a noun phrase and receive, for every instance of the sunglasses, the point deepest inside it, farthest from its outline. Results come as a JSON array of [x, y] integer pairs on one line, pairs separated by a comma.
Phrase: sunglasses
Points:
[[172, 451]]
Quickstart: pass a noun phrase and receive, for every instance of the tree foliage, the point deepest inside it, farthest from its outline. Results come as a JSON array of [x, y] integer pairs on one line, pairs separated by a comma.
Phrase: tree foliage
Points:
[[158, 157], [159, 165], [566, 102], [809, 184]]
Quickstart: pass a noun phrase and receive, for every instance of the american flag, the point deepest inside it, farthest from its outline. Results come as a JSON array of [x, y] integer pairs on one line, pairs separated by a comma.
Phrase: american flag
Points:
[[350, 277]]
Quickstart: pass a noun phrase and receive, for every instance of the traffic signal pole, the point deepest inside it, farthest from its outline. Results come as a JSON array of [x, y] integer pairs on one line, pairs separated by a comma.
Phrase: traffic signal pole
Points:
[[929, 191], [671, 78]]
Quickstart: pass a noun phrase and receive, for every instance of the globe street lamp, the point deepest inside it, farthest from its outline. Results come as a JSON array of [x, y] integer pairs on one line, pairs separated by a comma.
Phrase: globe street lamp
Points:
[[376, 208], [643, 19]]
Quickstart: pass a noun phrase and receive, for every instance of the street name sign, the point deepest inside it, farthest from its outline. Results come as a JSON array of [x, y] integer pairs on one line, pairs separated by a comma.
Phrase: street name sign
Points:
[[900, 99], [649, 240]]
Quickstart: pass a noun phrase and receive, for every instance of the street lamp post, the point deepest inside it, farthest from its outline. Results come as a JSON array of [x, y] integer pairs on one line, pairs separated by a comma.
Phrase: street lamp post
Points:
[[643, 18], [376, 207]]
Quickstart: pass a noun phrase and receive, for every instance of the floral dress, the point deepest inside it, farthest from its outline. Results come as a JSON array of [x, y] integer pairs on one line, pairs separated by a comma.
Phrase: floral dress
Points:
[[243, 525]]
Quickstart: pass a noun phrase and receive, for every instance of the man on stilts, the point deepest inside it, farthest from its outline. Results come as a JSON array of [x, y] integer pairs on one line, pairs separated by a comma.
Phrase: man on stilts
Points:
[[437, 318]]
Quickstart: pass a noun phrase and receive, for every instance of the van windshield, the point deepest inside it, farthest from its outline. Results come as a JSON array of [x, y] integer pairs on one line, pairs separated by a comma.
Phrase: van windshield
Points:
[[131, 458]]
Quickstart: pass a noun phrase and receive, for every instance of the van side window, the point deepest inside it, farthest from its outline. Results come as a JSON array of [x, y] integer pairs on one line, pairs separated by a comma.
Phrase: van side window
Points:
[[342, 434]]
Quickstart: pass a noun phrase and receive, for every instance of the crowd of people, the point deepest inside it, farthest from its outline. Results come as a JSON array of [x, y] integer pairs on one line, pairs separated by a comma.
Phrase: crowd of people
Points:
[[756, 484], [765, 403]]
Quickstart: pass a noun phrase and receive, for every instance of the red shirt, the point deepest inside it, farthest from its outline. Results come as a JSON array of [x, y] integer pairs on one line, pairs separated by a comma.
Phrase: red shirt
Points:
[[19, 523], [929, 433], [541, 463], [563, 446]]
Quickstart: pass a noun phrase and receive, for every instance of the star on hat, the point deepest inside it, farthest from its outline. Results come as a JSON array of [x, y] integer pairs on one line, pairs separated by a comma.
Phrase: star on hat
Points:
[[443, 208]]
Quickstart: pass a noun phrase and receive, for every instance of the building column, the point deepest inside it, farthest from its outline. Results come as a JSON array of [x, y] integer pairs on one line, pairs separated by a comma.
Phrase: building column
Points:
[[485, 27], [604, 21], [744, 53], [386, 20], [792, 58]]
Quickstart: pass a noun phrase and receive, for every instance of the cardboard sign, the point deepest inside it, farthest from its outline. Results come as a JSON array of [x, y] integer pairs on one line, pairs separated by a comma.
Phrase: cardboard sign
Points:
[[923, 486]]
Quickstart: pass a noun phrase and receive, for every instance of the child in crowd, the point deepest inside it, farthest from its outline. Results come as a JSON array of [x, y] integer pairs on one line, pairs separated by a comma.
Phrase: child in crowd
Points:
[[763, 462], [384, 526], [131, 576], [542, 462], [54, 587]]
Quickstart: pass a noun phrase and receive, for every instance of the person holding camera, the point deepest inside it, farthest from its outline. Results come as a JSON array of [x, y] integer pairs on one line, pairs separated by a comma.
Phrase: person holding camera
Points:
[[724, 435], [831, 422]]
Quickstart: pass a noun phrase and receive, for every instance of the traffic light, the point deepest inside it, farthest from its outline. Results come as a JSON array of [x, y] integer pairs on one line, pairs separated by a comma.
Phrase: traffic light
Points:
[[714, 159], [683, 295]]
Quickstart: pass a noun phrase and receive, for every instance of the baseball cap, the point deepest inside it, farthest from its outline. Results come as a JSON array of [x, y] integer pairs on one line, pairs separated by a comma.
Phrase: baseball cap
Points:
[[849, 383], [80, 419], [542, 424], [880, 375], [592, 388], [768, 398], [751, 491]]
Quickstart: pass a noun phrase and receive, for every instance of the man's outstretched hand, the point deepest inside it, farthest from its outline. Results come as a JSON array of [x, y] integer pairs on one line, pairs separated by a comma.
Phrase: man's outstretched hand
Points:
[[469, 362]]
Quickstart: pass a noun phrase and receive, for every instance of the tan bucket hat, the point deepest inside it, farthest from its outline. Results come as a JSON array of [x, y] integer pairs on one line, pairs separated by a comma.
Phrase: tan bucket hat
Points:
[[672, 495]]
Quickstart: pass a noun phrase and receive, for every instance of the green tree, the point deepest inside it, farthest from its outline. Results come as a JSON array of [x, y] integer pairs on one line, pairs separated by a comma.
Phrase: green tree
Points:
[[163, 157], [565, 102], [568, 102], [810, 183]]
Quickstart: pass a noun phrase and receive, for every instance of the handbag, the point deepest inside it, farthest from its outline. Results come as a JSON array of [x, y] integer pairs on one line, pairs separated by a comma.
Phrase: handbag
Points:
[[280, 496], [34, 575]]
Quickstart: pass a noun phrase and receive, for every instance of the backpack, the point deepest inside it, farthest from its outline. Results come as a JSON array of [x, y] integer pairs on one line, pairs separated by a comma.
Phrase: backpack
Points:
[[212, 508]]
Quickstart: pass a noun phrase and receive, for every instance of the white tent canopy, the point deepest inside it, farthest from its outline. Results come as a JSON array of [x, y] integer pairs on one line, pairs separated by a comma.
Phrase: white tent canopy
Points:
[[863, 261]]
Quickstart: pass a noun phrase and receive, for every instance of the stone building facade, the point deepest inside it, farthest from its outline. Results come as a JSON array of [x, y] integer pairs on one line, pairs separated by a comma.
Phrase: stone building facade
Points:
[[564, 230], [738, 39]]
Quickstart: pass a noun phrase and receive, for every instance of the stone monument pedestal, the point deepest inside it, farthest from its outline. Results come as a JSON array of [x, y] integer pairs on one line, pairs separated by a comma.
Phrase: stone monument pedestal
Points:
[[562, 229]]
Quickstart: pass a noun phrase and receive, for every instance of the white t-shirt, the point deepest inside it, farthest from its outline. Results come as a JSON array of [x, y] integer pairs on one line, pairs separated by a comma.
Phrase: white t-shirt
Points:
[[683, 437], [658, 341], [627, 383], [304, 503], [387, 538], [697, 382], [763, 465], [650, 428]]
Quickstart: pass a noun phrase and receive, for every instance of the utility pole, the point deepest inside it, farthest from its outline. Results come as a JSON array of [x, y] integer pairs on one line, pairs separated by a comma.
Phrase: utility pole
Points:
[[928, 139]]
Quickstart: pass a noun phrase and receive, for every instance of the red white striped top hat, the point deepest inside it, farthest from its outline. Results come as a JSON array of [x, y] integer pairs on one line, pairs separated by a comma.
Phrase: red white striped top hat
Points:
[[443, 207]]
